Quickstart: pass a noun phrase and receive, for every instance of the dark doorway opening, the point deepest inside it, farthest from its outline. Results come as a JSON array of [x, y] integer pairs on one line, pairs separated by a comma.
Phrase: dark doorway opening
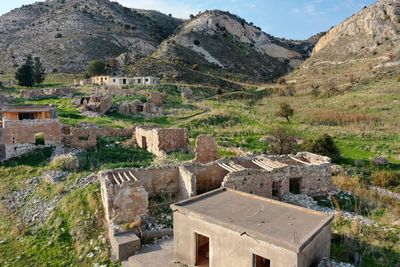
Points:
[[26, 116], [39, 139], [144, 142], [124, 81], [139, 108], [276, 188], [202, 250], [259, 261], [295, 185]]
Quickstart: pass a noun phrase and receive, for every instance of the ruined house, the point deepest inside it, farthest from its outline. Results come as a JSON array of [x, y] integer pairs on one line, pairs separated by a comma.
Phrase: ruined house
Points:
[[160, 141], [24, 128], [120, 81], [153, 106], [125, 192], [261, 232], [95, 103]]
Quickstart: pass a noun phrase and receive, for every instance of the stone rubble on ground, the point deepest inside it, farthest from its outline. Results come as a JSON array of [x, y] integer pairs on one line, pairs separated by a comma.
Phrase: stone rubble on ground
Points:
[[308, 202], [54, 177], [382, 192]]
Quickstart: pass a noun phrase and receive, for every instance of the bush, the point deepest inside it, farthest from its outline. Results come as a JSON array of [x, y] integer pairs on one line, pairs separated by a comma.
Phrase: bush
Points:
[[68, 162], [285, 111], [96, 68], [196, 42], [385, 179], [284, 141], [58, 35], [323, 145], [281, 80], [196, 67]]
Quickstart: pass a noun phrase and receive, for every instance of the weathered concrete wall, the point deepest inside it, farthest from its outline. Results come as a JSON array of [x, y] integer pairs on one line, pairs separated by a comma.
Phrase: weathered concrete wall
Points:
[[187, 183], [227, 248], [206, 149], [317, 249], [24, 131]]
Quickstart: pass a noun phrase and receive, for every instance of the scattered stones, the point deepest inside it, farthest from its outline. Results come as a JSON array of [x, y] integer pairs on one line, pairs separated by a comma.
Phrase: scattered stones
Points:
[[380, 161], [310, 203], [382, 192], [54, 177]]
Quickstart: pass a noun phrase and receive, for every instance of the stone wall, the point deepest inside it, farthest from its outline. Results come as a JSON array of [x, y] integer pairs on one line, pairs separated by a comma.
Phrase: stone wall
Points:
[[208, 177], [155, 98], [126, 203], [187, 183], [161, 141], [24, 131], [206, 149], [85, 138], [52, 92]]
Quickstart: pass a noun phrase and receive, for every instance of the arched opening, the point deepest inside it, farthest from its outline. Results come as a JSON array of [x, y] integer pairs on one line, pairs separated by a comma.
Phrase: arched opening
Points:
[[39, 139]]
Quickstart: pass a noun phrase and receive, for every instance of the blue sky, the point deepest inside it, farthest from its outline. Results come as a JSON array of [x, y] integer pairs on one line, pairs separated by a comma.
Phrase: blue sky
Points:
[[295, 19]]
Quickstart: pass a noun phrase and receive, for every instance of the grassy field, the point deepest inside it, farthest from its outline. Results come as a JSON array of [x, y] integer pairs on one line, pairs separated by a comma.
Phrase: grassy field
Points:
[[364, 122]]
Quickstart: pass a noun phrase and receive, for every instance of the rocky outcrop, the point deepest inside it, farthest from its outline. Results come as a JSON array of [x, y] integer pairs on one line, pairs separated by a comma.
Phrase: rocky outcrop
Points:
[[217, 40]]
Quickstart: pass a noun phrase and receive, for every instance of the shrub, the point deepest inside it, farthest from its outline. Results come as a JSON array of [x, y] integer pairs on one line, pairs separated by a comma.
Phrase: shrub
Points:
[[196, 67], [385, 178], [284, 141], [285, 111], [96, 67], [58, 35], [196, 42], [281, 80], [322, 145], [67, 162]]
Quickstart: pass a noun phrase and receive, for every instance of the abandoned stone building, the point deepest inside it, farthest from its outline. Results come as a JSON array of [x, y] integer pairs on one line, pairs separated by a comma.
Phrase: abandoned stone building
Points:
[[125, 192], [23, 128], [153, 106], [160, 141], [96, 103], [261, 232], [120, 81]]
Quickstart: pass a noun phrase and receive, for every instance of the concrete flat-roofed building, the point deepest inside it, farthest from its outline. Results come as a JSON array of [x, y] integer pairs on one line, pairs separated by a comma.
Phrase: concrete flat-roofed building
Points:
[[226, 228], [120, 81]]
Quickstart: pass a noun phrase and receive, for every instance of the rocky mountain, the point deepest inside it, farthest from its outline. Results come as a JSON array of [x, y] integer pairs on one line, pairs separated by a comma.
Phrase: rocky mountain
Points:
[[67, 34], [222, 44], [364, 45]]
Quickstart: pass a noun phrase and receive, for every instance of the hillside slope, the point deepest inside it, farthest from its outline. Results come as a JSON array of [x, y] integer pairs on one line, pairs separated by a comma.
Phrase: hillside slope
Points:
[[364, 45], [227, 46], [67, 34]]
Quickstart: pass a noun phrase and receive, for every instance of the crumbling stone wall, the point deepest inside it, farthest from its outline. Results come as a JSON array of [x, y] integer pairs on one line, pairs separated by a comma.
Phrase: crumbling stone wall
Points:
[[126, 203], [95, 103], [316, 179], [206, 149], [51, 92], [155, 98], [85, 138], [187, 183], [161, 141], [208, 176], [24, 131]]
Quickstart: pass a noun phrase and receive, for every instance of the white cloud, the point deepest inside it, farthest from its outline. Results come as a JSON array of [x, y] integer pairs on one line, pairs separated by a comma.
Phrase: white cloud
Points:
[[309, 8], [177, 9]]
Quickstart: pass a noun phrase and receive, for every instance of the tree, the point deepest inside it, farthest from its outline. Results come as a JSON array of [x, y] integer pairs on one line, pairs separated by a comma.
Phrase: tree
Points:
[[38, 71], [322, 145], [285, 111], [96, 68], [24, 74], [283, 141]]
